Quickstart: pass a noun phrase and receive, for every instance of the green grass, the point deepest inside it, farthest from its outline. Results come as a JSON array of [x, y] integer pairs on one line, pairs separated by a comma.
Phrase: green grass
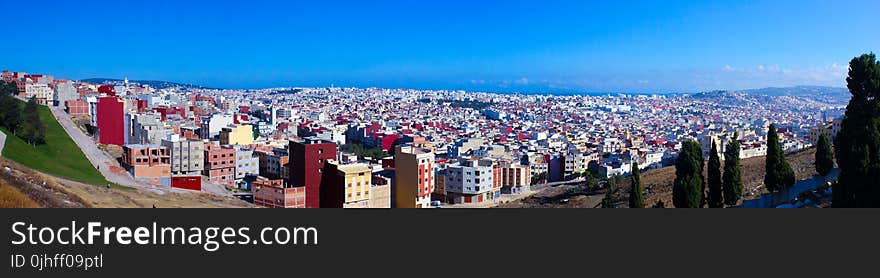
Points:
[[59, 156]]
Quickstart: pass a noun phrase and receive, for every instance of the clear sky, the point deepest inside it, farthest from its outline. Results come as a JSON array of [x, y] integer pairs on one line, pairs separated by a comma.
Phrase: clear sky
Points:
[[505, 46]]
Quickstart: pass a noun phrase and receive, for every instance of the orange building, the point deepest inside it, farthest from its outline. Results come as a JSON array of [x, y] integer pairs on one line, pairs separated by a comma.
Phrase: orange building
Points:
[[220, 164], [272, 194], [76, 107], [414, 181], [147, 162]]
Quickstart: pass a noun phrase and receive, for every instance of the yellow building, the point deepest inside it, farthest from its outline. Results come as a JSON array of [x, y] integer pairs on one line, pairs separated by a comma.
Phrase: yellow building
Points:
[[237, 135], [356, 181]]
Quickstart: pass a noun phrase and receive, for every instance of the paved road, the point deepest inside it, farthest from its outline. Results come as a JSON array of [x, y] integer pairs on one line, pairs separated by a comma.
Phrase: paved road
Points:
[[513, 197], [97, 157], [100, 158]]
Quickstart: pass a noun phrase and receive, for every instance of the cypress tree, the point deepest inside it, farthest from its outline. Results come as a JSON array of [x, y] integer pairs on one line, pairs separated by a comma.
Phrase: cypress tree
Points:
[[778, 173], [715, 198], [687, 189], [608, 201], [857, 144], [636, 200], [824, 156], [732, 179]]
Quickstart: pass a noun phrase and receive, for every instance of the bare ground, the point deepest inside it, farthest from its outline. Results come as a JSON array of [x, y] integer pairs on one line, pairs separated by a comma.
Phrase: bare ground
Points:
[[658, 184], [50, 191]]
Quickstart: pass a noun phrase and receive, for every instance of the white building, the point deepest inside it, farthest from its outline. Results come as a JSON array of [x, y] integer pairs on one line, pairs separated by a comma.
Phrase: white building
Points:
[[42, 92], [469, 183]]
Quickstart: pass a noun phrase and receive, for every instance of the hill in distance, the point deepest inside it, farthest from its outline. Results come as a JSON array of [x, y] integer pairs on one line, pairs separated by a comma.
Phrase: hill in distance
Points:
[[152, 83]]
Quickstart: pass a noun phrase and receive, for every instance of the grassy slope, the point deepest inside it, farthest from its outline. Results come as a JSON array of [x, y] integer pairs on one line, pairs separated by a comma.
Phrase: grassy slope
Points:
[[60, 156]]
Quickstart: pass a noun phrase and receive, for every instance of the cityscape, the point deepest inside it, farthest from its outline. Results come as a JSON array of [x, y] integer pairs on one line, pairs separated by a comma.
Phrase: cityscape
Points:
[[453, 104], [335, 147]]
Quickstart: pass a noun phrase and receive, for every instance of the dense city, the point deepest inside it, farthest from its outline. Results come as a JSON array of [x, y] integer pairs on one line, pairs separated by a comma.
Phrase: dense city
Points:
[[337, 147]]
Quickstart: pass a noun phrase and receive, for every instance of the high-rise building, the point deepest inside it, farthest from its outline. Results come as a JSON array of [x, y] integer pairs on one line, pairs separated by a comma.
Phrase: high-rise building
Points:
[[414, 177], [111, 121], [307, 160]]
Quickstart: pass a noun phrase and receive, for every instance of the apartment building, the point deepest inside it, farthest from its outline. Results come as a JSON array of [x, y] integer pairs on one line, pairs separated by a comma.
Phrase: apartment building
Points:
[[516, 178], [273, 194], [470, 182], [146, 128], [246, 163], [111, 120], [212, 125], [414, 177], [147, 162], [237, 135], [220, 164], [187, 156], [307, 160], [346, 186], [41, 92], [380, 192], [64, 91]]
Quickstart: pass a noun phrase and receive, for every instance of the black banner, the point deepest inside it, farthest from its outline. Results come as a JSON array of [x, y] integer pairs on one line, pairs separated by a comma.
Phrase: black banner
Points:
[[437, 242]]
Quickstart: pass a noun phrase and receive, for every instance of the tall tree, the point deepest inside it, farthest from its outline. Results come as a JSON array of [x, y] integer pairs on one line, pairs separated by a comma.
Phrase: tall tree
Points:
[[732, 179], [636, 200], [32, 128], [608, 201], [8, 88], [687, 189], [715, 198], [11, 113], [824, 155], [778, 173], [857, 144]]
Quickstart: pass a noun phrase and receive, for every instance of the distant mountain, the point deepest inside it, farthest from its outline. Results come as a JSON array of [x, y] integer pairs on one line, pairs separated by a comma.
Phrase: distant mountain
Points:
[[152, 83], [827, 95], [801, 91]]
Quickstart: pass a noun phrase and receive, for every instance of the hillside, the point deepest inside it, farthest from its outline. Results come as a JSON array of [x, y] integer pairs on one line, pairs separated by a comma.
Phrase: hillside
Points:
[[59, 156], [658, 185]]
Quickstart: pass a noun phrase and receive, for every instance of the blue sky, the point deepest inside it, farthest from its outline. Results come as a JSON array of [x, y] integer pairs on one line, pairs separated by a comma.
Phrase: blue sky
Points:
[[505, 46]]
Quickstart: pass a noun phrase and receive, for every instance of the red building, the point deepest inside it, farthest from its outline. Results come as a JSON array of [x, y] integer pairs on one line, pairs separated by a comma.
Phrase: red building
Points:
[[165, 111], [187, 182], [220, 164], [106, 89], [111, 121], [142, 105], [307, 160]]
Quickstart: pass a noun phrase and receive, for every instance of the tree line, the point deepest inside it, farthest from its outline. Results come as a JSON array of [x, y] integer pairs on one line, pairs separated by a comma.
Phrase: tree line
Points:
[[23, 122]]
